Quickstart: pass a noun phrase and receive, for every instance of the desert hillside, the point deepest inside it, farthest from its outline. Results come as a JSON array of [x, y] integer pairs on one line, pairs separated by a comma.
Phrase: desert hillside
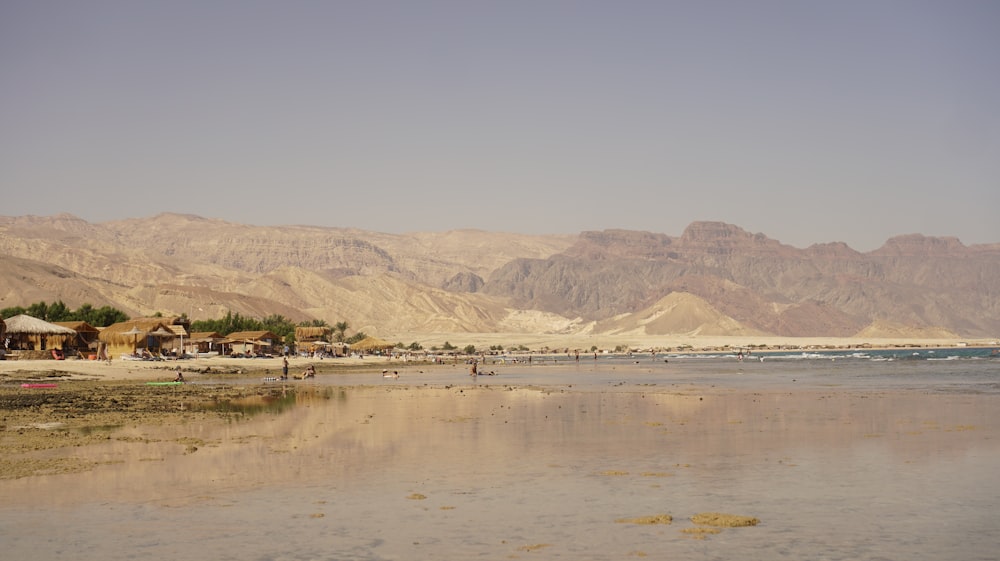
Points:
[[713, 280]]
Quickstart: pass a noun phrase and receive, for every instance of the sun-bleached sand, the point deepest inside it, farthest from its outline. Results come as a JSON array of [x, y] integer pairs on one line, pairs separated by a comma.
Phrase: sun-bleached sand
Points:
[[120, 370], [150, 370]]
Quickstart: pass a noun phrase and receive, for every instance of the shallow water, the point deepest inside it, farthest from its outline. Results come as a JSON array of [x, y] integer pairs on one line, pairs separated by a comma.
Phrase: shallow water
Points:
[[839, 459]]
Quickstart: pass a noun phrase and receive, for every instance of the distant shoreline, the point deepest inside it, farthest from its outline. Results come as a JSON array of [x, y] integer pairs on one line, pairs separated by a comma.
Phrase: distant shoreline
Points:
[[12, 371]]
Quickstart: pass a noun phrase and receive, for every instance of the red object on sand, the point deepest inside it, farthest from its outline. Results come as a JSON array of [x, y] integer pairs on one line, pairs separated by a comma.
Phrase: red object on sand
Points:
[[38, 385]]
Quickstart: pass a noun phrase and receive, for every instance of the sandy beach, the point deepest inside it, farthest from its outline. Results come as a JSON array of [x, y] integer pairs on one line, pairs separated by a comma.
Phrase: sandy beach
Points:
[[122, 370], [117, 369]]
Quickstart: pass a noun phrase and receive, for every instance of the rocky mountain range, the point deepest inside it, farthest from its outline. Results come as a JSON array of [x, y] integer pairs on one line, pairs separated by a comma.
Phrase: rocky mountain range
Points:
[[713, 279]]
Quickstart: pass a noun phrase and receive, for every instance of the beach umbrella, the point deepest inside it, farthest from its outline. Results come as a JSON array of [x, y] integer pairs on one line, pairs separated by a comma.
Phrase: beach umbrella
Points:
[[161, 334], [135, 332]]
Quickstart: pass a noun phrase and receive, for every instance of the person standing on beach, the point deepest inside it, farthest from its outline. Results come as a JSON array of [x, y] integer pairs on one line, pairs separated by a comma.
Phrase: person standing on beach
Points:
[[474, 369], [284, 368]]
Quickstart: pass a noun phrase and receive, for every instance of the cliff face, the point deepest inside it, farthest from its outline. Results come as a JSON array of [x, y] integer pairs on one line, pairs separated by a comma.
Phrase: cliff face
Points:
[[714, 278], [764, 285]]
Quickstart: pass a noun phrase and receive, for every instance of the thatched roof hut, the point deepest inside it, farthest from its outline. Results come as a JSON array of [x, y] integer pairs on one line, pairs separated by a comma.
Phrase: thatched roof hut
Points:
[[140, 333], [312, 334], [31, 333], [203, 341], [25, 324], [257, 336], [205, 337], [369, 344], [252, 341], [133, 330], [175, 324], [79, 326], [86, 334]]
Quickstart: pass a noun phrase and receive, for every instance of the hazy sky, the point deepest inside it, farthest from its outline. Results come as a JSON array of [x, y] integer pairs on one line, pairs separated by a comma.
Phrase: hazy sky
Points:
[[808, 121]]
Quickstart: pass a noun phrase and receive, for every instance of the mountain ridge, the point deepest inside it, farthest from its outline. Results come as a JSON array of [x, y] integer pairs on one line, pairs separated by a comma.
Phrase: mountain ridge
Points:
[[717, 277]]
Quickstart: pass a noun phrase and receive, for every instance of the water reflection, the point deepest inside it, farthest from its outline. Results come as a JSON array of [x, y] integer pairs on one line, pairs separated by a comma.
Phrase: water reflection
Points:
[[97, 429], [249, 405], [452, 473]]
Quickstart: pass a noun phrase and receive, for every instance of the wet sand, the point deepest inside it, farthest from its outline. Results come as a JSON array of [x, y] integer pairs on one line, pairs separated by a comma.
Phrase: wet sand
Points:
[[123, 370], [437, 465]]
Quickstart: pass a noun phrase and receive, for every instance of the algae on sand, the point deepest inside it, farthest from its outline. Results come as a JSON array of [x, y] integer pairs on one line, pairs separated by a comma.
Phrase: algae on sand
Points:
[[723, 520]]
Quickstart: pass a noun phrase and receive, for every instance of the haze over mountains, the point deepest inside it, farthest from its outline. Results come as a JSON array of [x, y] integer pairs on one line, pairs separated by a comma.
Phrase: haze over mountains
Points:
[[713, 279]]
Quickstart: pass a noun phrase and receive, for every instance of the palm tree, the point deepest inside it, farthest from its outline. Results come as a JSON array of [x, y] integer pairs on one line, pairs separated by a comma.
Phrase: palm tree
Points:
[[340, 327]]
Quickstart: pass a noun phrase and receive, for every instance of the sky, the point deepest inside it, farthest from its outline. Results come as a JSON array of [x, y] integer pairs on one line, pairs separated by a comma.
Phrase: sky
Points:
[[809, 122]]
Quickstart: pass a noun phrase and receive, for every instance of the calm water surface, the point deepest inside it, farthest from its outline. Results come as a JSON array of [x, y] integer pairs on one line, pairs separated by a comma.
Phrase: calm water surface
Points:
[[840, 457]]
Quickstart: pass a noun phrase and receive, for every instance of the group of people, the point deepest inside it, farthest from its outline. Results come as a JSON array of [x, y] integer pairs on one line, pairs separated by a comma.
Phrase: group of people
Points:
[[309, 372]]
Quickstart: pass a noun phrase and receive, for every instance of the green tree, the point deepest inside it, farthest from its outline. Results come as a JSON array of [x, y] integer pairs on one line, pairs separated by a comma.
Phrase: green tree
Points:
[[83, 312], [39, 310], [13, 311], [341, 328], [230, 323], [448, 346], [103, 316], [469, 349], [279, 325], [355, 338], [58, 311]]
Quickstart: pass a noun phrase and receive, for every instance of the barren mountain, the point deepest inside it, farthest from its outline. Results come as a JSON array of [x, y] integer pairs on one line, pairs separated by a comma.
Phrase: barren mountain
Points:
[[765, 286], [714, 279]]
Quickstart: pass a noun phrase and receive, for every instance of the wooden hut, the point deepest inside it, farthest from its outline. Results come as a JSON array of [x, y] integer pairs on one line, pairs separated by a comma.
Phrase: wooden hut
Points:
[[85, 341], [252, 342], [128, 338], [313, 339], [204, 343], [312, 334], [32, 334]]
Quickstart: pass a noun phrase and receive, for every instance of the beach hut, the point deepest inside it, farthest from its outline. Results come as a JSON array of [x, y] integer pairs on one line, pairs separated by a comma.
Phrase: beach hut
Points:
[[158, 339], [371, 345], [252, 342], [312, 334], [86, 336], [126, 338], [32, 334], [204, 343], [313, 339]]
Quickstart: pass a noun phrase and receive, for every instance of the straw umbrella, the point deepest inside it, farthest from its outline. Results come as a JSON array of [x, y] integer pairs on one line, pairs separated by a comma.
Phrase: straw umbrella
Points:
[[135, 332]]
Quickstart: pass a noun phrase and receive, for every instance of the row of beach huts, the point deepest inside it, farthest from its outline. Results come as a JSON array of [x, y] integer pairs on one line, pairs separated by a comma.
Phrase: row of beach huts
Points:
[[26, 337]]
